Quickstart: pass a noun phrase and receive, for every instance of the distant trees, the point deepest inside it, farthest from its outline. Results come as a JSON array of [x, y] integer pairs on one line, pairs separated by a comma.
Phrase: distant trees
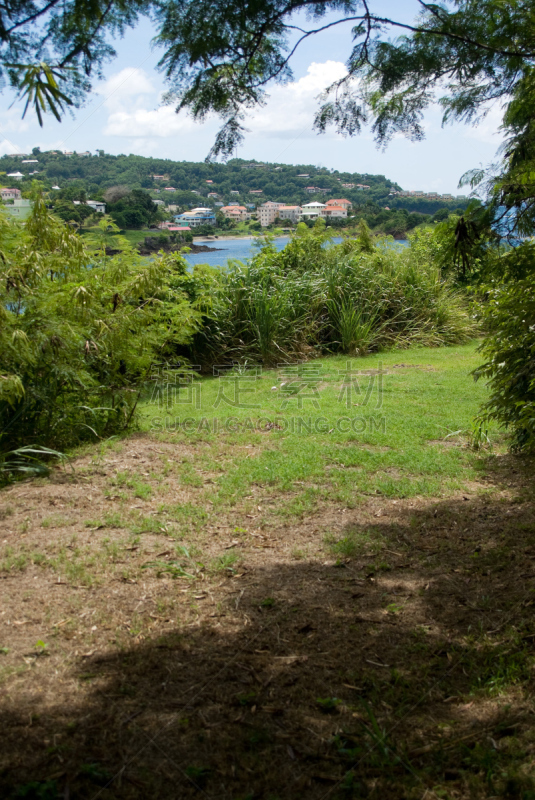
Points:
[[116, 193], [69, 212], [132, 210]]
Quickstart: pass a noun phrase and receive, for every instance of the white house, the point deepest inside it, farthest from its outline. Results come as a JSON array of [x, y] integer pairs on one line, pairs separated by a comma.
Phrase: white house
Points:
[[20, 209], [97, 206], [313, 210], [17, 175], [292, 213], [336, 212]]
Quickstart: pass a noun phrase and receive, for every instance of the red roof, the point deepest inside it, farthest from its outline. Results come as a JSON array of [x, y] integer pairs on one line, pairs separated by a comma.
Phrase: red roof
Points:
[[337, 202]]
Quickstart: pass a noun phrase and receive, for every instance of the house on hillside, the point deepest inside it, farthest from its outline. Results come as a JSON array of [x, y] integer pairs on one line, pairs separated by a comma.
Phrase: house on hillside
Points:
[[10, 194], [20, 208], [234, 191], [97, 206], [291, 213], [313, 210], [335, 212], [17, 175], [197, 217], [268, 213], [344, 203], [236, 213]]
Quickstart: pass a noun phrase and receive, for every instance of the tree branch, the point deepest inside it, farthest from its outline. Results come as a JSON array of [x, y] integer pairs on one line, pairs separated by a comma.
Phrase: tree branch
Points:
[[33, 17]]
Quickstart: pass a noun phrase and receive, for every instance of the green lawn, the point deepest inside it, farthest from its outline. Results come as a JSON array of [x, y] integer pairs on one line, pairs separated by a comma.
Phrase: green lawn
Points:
[[404, 433], [297, 587]]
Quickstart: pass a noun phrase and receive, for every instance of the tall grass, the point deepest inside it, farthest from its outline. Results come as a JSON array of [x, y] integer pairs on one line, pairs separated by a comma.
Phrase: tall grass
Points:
[[315, 297]]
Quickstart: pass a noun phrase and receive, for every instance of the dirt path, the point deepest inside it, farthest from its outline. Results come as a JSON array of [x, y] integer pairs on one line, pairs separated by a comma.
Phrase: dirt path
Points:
[[382, 649]]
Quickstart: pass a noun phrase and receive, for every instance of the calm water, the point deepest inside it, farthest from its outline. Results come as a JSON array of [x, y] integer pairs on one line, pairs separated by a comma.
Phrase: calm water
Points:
[[241, 249]]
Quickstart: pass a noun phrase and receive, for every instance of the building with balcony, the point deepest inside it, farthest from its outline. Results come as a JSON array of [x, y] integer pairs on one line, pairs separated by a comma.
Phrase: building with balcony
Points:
[[313, 210], [197, 217], [291, 213]]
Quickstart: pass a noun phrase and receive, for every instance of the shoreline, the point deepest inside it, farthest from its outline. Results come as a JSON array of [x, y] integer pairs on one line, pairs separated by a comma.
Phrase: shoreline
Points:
[[204, 240]]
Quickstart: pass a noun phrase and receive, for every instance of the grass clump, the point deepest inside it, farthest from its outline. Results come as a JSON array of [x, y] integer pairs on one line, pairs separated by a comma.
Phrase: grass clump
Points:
[[354, 543], [225, 562], [350, 298]]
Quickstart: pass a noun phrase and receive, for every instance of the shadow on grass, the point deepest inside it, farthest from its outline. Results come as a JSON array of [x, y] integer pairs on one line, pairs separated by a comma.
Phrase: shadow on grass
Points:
[[392, 672]]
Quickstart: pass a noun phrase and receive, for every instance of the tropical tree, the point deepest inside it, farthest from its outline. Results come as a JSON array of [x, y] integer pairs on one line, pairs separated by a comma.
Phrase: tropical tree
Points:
[[80, 330]]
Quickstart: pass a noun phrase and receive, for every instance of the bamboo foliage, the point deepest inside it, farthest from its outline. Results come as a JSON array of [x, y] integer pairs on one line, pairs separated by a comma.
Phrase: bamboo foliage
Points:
[[80, 329]]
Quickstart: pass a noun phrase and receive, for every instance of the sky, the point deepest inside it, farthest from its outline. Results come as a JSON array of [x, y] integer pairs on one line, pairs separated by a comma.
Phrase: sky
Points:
[[124, 114]]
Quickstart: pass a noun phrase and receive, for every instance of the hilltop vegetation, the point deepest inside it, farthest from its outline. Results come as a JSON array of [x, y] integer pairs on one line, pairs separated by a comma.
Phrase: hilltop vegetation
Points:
[[278, 182]]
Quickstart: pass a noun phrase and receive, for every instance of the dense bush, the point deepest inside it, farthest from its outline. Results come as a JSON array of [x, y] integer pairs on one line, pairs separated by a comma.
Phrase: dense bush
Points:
[[509, 348], [317, 297], [79, 330]]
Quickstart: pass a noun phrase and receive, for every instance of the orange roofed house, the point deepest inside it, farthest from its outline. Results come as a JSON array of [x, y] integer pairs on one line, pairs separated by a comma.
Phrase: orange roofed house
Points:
[[237, 213], [343, 203]]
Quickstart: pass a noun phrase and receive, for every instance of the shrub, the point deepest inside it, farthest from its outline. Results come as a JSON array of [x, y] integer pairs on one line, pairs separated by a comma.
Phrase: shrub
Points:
[[80, 330], [509, 315], [314, 296]]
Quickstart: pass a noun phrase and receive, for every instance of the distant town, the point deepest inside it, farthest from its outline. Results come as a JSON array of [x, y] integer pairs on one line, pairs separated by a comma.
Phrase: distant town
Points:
[[181, 197]]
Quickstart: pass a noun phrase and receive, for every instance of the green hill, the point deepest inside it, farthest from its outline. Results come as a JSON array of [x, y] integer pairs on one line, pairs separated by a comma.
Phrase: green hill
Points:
[[191, 182]]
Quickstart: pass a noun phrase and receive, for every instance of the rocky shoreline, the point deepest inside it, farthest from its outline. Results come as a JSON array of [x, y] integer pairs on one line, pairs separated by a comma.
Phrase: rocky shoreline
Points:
[[145, 250]]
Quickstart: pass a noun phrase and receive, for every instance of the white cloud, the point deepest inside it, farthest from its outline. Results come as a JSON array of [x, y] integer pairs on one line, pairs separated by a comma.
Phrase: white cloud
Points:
[[291, 107], [11, 122], [125, 87], [142, 123], [288, 112]]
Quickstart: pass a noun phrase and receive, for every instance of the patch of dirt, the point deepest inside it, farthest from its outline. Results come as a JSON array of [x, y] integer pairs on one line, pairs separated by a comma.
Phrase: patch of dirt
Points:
[[192, 659]]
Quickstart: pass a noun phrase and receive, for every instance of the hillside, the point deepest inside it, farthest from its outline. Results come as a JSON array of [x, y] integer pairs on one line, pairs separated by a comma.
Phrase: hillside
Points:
[[184, 183]]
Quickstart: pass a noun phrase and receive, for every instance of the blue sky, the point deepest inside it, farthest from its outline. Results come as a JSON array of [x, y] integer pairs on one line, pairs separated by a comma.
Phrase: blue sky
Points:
[[124, 115]]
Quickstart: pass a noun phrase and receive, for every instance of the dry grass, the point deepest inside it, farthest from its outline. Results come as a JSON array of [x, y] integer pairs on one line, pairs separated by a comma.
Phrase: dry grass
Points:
[[156, 645]]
